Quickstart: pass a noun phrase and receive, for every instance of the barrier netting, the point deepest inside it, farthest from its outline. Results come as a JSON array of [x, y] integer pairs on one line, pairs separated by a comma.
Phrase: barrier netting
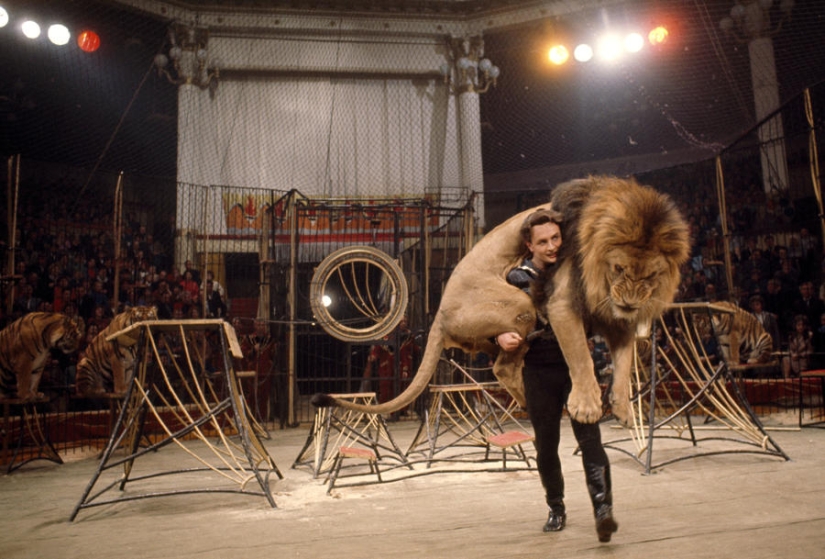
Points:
[[117, 176]]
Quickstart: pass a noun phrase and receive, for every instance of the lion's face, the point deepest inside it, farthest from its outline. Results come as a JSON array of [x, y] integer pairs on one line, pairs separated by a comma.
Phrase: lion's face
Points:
[[635, 282], [631, 241]]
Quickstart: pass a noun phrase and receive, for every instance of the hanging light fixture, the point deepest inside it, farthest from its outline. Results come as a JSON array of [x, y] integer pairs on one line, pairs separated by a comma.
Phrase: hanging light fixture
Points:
[[188, 61], [471, 72]]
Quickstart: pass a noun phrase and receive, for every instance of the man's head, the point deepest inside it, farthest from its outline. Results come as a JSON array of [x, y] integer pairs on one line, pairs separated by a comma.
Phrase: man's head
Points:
[[756, 304], [541, 232], [261, 327]]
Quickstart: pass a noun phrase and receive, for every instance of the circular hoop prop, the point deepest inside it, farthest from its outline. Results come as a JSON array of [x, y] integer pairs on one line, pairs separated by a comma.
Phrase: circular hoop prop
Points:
[[358, 294]]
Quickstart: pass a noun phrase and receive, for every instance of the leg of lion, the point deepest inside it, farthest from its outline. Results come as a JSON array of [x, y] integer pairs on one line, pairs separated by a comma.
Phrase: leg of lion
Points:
[[620, 393], [584, 404]]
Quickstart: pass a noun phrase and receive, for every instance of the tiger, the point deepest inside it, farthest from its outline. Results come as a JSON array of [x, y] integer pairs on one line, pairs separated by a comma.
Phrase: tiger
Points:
[[740, 331], [106, 365], [25, 345]]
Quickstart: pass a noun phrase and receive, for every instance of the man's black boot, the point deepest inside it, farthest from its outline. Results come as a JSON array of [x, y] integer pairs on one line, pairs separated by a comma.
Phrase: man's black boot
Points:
[[598, 485], [605, 523], [556, 519]]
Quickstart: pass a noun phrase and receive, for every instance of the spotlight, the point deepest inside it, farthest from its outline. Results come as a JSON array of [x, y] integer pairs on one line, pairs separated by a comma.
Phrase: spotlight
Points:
[[609, 47], [633, 42], [88, 41], [59, 34], [30, 29], [558, 54], [583, 53], [326, 300], [4, 17], [658, 35]]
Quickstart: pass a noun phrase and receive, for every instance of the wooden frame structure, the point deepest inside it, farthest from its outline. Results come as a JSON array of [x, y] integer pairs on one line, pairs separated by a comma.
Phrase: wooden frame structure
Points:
[[677, 384], [202, 412]]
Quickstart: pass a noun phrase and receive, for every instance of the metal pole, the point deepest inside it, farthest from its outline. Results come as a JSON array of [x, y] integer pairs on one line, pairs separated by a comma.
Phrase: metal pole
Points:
[[292, 297], [813, 156], [117, 224], [205, 236], [723, 214], [651, 413], [13, 169]]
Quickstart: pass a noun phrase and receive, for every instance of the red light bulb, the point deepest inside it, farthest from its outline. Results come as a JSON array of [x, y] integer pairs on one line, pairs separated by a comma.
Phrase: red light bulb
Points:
[[88, 41]]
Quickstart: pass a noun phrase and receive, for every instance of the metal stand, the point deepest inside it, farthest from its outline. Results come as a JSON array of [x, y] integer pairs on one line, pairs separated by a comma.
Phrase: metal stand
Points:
[[31, 431], [670, 395], [169, 401], [333, 428], [464, 415], [809, 378]]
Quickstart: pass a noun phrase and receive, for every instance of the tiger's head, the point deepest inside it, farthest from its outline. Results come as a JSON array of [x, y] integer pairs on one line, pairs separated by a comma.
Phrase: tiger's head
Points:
[[69, 334], [139, 314], [131, 316]]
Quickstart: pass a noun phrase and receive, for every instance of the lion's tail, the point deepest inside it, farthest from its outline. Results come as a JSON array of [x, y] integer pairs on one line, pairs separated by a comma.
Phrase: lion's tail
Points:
[[429, 363]]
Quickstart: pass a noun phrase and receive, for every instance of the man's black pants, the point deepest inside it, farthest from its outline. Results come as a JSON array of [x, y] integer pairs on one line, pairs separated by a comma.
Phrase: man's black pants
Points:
[[546, 387]]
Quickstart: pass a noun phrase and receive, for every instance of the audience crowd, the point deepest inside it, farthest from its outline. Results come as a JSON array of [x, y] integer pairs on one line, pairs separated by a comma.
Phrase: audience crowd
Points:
[[65, 262]]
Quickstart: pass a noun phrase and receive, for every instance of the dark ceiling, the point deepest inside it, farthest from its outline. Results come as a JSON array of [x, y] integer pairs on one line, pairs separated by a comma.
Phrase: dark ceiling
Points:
[[694, 93]]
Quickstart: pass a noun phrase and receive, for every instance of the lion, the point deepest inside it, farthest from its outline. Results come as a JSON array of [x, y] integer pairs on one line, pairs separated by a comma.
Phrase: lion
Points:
[[624, 244]]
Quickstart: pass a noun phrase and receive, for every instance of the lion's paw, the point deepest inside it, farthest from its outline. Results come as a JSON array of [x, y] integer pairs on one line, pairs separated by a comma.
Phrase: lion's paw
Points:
[[584, 406], [620, 407]]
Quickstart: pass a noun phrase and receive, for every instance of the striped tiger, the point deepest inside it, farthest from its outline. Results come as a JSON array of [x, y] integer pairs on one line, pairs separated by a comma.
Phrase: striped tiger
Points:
[[740, 332], [106, 365], [25, 345]]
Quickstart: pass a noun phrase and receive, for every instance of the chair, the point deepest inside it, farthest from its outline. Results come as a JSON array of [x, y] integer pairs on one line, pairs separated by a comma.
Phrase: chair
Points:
[[509, 440], [356, 453]]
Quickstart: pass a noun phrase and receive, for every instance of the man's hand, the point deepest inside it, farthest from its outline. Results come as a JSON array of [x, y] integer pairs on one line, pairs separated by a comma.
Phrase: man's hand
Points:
[[509, 341]]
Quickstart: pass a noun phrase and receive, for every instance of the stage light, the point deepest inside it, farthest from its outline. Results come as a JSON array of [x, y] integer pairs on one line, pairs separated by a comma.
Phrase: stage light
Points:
[[558, 54], [658, 35], [633, 42], [583, 53], [30, 29], [4, 17], [88, 41], [609, 47], [59, 34]]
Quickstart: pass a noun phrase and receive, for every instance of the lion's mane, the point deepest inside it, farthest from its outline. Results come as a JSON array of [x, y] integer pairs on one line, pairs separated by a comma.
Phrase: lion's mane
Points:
[[606, 216]]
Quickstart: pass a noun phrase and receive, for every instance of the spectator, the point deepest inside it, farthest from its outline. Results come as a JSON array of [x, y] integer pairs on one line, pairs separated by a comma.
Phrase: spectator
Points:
[[807, 304], [800, 348], [189, 285], [214, 302], [768, 320], [216, 285], [196, 275], [25, 302]]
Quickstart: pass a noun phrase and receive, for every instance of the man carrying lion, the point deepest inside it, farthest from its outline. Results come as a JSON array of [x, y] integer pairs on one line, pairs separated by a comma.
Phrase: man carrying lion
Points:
[[547, 384], [617, 271]]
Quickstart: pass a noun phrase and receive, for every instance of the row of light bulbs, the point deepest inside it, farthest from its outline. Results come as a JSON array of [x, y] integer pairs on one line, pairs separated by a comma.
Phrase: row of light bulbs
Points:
[[57, 33], [609, 47]]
